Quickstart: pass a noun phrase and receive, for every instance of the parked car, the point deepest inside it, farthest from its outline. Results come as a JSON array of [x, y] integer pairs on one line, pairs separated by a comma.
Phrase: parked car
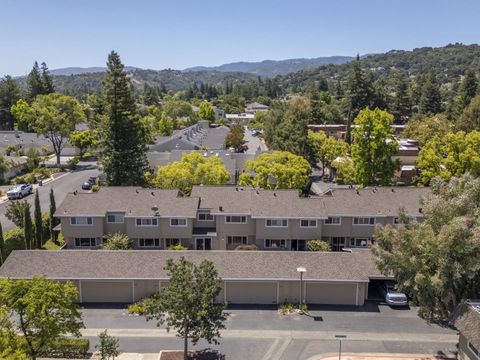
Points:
[[19, 191], [392, 297], [87, 185]]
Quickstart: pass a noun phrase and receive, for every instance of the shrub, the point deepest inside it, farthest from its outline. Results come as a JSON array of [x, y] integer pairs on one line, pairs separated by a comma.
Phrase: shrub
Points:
[[286, 308], [252, 247], [303, 308], [72, 163], [95, 187], [118, 241], [68, 348], [177, 247], [9, 149], [41, 172], [136, 309], [318, 245], [24, 179]]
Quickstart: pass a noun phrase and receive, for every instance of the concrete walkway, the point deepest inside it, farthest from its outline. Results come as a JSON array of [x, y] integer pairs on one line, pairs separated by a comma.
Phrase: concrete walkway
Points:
[[367, 356]]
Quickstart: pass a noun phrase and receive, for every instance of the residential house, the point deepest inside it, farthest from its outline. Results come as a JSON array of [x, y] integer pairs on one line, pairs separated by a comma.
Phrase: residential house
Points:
[[255, 107], [224, 217], [23, 142], [466, 318]]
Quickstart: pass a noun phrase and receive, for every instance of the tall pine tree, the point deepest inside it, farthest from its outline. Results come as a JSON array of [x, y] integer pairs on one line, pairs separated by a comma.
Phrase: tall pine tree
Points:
[[124, 139], [431, 99], [52, 219], [402, 103], [468, 89], [34, 83], [47, 81], [27, 228], [9, 95], [37, 214]]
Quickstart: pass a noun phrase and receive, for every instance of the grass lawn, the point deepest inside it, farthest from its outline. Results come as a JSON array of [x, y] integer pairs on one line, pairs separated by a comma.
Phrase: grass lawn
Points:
[[50, 245]]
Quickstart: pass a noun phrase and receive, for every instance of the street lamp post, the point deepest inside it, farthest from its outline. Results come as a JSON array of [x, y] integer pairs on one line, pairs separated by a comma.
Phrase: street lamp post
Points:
[[301, 270], [340, 337]]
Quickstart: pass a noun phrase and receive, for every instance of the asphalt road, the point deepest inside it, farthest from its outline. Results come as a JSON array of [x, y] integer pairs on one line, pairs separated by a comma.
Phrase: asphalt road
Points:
[[61, 186], [253, 142], [263, 334]]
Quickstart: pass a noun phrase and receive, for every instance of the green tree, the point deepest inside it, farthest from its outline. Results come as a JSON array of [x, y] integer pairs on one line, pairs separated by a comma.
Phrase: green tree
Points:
[[83, 140], [206, 112], [436, 261], [402, 104], [470, 118], [318, 245], [373, 147], [16, 210], [325, 149], [178, 110], [188, 302], [52, 220], [3, 250], [27, 228], [107, 346], [424, 128], [9, 95], [118, 241], [53, 116], [345, 171], [193, 169], [235, 138], [451, 155], [44, 309], [165, 125], [431, 99], [47, 80], [34, 83], [468, 89], [38, 224], [123, 139], [278, 170], [4, 166]]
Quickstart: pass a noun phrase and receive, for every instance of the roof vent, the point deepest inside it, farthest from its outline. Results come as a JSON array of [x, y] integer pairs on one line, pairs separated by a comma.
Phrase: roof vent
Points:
[[75, 192], [153, 193], [236, 188], [241, 188], [420, 210], [393, 190], [154, 208], [136, 190], [220, 208], [358, 192], [275, 194]]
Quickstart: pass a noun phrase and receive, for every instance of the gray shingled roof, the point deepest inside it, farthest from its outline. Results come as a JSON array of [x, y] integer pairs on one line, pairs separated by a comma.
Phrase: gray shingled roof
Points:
[[381, 201], [140, 264], [466, 319], [133, 201]]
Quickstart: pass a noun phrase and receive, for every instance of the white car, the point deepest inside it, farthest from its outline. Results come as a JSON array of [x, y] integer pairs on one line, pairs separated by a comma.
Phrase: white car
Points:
[[19, 191], [392, 297]]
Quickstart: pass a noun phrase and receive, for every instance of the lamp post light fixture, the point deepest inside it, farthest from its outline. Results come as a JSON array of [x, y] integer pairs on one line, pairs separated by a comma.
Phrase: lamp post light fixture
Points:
[[340, 338], [301, 270]]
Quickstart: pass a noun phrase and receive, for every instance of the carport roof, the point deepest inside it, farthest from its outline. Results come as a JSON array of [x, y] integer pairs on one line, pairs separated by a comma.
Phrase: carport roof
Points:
[[357, 266]]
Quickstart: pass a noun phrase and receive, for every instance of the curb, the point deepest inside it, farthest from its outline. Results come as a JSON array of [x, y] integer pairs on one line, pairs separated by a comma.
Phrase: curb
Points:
[[382, 356]]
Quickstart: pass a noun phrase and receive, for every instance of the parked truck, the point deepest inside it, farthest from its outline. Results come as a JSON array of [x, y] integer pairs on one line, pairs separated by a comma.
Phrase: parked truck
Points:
[[19, 191]]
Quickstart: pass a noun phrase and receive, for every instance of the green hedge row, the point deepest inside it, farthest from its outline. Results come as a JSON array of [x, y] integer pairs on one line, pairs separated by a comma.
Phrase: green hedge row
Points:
[[68, 348]]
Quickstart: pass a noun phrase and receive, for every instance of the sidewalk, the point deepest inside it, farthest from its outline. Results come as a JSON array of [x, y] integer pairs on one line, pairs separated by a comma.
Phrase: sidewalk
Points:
[[368, 356]]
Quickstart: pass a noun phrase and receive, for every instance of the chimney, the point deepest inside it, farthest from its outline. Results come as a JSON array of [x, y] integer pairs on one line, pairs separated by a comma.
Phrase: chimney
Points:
[[220, 208]]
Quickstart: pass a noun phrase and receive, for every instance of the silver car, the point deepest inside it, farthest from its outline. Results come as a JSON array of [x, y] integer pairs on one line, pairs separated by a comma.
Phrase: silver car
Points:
[[392, 297]]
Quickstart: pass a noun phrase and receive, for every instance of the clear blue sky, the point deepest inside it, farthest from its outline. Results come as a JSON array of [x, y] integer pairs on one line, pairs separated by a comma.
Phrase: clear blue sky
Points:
[[183, 33]]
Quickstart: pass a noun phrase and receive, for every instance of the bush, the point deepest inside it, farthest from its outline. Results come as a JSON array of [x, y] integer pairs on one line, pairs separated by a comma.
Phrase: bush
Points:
[[72, 163], [286, 308], [68, 348], [252, 247], [118, 241], [136, 309], [41, 172], [95, 187], [177, 247], [14, 240], [318, 245], [24, 179]]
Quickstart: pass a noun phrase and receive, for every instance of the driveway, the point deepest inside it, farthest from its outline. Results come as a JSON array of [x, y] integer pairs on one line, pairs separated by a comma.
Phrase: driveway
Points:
[[61, 187], [263, 334], [253, 142]]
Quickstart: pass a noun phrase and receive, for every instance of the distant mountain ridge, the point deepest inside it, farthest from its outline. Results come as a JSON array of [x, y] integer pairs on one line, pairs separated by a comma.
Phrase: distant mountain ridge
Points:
[[84, 70], [271, 68]]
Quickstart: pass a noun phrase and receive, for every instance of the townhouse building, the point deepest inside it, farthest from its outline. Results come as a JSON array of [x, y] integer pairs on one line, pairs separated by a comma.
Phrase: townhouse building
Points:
[[224, 217]]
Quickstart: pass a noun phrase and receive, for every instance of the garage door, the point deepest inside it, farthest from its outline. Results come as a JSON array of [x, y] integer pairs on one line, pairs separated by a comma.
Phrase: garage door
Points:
[[322, 293], [251, 292], [107, 292]]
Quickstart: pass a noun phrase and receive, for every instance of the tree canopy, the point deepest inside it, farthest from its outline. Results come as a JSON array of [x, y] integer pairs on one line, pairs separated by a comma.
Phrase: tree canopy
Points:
[[425, 128], [436, 261], [325, 149], [206, 112]]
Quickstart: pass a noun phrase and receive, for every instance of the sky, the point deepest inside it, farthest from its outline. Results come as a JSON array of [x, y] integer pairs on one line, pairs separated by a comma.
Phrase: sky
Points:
[[182, 33]]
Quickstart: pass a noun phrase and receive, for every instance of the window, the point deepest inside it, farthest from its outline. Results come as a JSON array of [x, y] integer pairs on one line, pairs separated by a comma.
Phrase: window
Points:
[[85, 242], [149, 242], [205, 217], [359, 242], [236, 240], [81, 220], [474, 350], [333, 221], [275, 244], [235, 219], [146, 222], [171, 242], [276, 223], [178, 222], [308, 223], [363, 221], [115, 218]]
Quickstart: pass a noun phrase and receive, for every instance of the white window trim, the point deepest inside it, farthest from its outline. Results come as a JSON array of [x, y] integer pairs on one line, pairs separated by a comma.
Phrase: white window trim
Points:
[[276, 226], [364, 217], [116, 222], [185, 225], [149, 247], [136, 224], [80, 246], [333, 224], [198, 217], [474, 351], [270, 247], [240, 243], [308, 227], [76, 217], [234, 222]]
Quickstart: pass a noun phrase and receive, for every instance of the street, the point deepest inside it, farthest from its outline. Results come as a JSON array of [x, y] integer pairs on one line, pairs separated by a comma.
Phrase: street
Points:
[[61, 186], [253, 142], [263, 334]]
